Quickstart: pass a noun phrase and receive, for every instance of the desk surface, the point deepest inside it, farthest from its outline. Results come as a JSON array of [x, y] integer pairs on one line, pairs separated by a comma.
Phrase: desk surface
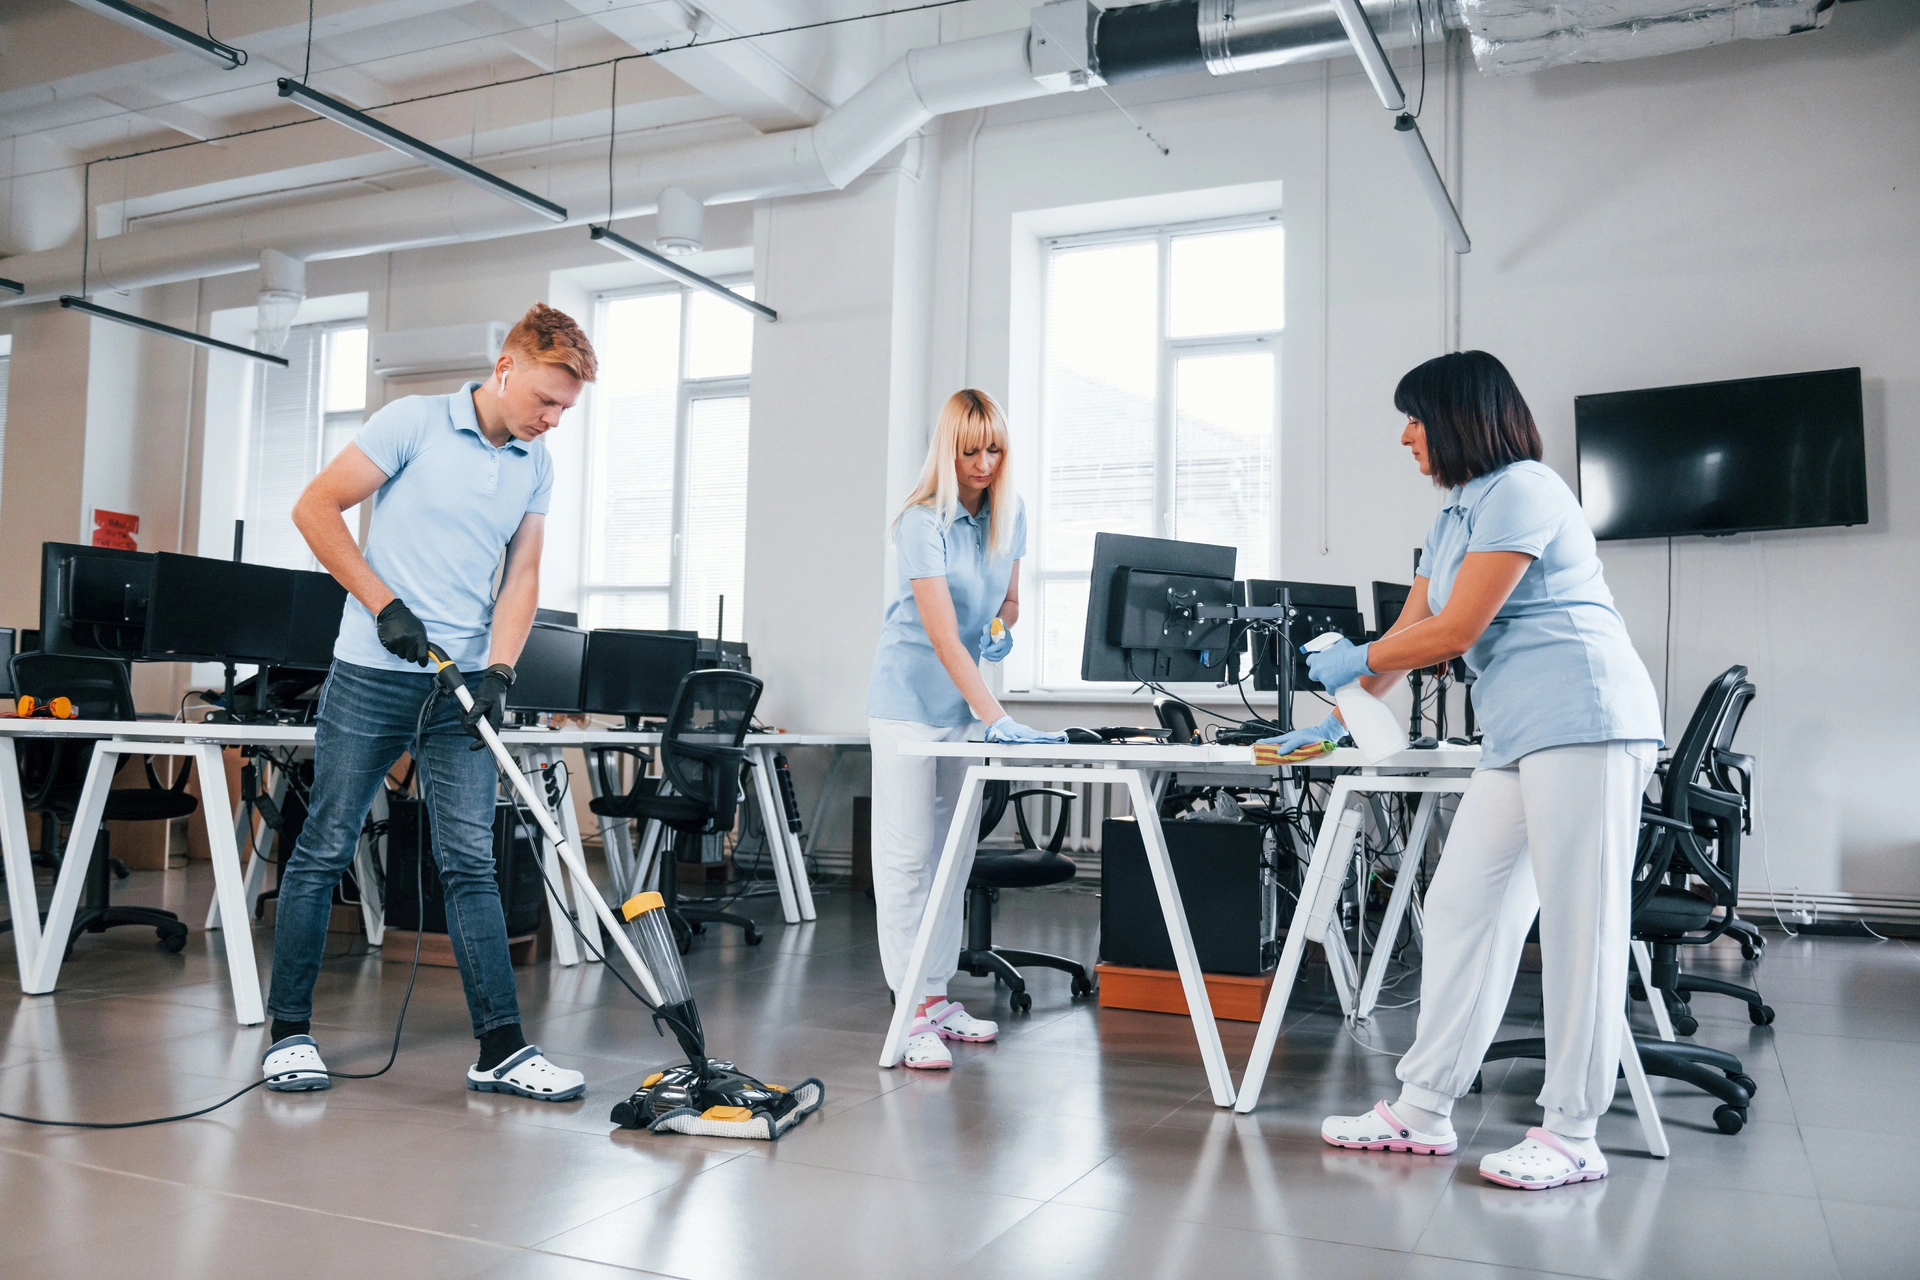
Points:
[[1167, 756], [302, 735]]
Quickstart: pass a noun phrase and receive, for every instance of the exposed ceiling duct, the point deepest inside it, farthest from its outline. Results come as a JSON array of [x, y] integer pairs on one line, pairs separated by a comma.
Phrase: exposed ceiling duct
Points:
[[1512, 36], [1070, 45]]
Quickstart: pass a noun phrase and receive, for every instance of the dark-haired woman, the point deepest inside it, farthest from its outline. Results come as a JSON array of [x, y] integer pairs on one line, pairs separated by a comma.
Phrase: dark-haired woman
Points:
[[1549, 822]]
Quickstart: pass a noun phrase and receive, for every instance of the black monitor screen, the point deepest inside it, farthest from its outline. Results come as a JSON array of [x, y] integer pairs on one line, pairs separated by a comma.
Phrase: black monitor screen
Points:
[[1389, 598], [93, 600], [1785, 452], [318, 601], [1132, 595], [636, 673], [1318, 607], [550, 671], [218, 610]]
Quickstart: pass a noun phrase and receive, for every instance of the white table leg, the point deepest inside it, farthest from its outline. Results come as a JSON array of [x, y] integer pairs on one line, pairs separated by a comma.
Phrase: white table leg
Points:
[[773, 820], [72, 880], [1192, 982], [373, 907], [1312, 920], [1642, 1091], [962, 832], [23, 902], [228, 883], [1643, 961], [583, 892], [257, 841], [1397, 904], [836, 757], [787, 842]]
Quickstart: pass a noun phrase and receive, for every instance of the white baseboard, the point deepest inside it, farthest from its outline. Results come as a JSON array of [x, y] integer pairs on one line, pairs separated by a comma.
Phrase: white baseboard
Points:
[[1762, 907]]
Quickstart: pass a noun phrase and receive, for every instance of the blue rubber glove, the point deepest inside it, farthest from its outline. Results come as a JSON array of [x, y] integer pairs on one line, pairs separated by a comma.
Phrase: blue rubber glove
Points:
[[1329, 730], [1339, 664], [994, 650], [1010, 732]]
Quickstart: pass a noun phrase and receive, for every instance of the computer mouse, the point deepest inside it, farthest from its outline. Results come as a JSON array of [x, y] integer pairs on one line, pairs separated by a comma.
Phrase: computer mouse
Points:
[[1425, 742], [1083, 737]]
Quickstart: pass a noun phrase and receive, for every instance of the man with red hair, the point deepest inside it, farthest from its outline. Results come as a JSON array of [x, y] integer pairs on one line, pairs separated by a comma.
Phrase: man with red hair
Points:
[[456, 481]]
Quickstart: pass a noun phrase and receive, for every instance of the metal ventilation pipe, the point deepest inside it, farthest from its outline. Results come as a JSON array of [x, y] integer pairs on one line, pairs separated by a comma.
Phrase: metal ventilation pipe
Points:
[[1227, 36]]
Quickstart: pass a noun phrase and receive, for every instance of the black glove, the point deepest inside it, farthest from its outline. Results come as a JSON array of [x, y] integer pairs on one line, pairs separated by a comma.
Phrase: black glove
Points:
[[401, 634], [489, 702]]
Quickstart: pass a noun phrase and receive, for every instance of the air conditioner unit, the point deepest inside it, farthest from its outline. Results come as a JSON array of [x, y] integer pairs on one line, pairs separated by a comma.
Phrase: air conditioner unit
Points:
[[447, 348]]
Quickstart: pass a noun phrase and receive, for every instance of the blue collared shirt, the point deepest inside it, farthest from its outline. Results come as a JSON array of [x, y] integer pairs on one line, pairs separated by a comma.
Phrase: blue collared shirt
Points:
[[909, 682], [1555, 666], [441, 522]]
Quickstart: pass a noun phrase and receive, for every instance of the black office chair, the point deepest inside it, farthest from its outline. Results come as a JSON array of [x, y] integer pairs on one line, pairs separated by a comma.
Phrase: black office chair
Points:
[[1031, 868], [54, 771], [1732, 773], [1177, 719], [701, 759], [1701, 826]]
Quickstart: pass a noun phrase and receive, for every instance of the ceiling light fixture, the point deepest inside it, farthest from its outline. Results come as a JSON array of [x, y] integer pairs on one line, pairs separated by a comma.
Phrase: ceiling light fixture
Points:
[[668, 267], [1373, 59], [1429, 175], [224, 56], [154, 326], [365, 125]]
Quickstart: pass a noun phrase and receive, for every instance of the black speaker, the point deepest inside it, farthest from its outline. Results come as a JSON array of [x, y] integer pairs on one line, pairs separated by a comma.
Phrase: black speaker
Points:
[[1229, 902], [515, 868]]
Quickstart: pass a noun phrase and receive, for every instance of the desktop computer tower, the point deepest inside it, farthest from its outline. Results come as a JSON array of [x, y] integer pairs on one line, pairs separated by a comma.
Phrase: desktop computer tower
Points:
[[516, 868], [1229, 897]]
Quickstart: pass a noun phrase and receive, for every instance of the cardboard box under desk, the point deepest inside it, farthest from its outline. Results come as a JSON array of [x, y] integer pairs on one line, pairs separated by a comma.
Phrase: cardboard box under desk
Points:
[[1234, 998]]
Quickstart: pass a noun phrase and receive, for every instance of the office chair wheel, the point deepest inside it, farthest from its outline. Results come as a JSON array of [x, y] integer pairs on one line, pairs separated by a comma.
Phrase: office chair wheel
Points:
[[1021, 1002], [1761, 1015], [1477, 1084], [174, 942], [1744, 1081], [753, 936], [1684, 1023], [1731, 1119], [1750, 952], [120, 869], [1080, 987]]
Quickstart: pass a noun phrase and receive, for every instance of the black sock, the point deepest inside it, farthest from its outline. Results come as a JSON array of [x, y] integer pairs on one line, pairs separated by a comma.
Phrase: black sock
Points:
[[499, 1044], [283, 1028]]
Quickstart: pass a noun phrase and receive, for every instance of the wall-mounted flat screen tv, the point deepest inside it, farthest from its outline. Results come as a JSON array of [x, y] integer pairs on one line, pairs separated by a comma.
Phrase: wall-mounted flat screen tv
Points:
[[1786, 452]]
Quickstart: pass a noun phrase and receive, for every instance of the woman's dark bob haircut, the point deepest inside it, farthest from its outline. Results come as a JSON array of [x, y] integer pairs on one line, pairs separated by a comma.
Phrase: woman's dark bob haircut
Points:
[[1475, 418]]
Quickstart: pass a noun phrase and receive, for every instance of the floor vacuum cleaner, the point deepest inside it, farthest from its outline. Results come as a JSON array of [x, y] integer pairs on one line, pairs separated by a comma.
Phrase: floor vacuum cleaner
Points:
[[704, 1095]]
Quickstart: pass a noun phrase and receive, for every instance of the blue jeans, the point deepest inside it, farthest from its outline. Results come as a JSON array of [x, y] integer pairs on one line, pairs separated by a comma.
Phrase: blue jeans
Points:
[[367, 719]]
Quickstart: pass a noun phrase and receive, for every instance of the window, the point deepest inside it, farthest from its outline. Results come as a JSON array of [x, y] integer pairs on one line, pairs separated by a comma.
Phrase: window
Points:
[[1159, 401], [667, 467], [302, 416]]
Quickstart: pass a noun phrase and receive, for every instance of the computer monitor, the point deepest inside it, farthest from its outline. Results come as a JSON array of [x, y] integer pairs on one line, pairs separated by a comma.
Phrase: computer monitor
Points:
[[1389, 598], [93, 600], [29, 640], [550, 672], [206, 610], [1318, 607], [6, 663], [636, 673], [1140, 603], [557, 617], [318, 602], [731, 654]]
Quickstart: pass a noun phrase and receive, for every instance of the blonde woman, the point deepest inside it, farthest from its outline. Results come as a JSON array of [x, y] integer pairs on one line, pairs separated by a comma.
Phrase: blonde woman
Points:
[[959, 540]]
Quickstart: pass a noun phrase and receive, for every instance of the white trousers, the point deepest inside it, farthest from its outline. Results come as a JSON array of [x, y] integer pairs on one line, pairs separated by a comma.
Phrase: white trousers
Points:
[[1555, 833], [913, 799]]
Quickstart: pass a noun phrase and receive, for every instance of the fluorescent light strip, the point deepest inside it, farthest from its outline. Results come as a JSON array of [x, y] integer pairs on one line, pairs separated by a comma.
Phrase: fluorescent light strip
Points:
[[1373, 59], [224, 56], [1436, 188], [12, 286], [365, 125], [668, 267], [154, 326]]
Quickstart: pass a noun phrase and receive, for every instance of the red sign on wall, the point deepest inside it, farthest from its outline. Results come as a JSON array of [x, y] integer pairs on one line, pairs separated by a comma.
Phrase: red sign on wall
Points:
[[115, 529]]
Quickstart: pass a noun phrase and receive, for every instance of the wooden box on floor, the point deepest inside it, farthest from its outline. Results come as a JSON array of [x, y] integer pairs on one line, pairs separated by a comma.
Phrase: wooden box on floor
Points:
[[396, 947], [1234, 998]]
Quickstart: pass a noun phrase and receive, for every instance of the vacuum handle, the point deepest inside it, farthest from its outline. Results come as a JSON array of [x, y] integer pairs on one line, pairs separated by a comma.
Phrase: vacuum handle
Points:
[[453, 682]]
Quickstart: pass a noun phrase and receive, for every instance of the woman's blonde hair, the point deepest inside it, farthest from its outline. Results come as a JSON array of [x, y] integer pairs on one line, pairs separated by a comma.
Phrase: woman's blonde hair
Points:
[[971, 420]]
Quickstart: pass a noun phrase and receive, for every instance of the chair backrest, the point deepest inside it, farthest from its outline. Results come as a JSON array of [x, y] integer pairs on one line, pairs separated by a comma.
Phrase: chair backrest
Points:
[[1695, 829], [1177, 719], [99, 687], [1690, 753], [700, 748]]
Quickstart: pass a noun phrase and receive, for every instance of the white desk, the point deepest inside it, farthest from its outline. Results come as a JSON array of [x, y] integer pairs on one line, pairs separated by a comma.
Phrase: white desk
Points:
[[40, 949]]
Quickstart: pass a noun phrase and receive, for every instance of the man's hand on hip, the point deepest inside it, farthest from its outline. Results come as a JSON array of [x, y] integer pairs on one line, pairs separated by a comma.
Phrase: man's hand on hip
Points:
[[489, 702], [401, 634]]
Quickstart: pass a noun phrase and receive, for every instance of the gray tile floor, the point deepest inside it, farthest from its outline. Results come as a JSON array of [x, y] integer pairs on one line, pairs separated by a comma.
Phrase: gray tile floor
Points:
[[1082, 1144]]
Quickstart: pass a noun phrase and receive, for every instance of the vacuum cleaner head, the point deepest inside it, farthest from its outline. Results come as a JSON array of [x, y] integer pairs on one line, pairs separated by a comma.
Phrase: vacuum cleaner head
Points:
[[705, 1096]]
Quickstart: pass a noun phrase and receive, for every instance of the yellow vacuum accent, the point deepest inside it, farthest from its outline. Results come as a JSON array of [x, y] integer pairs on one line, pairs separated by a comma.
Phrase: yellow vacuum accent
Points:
[[639, 904], [653, 1080], [732, 1115]]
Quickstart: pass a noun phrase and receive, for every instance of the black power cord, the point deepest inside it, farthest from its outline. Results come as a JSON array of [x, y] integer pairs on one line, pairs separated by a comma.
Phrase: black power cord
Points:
[[393, 1053]]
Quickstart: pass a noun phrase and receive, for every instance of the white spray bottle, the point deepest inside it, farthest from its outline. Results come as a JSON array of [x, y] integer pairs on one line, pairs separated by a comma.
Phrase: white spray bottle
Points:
[[1376, 730]]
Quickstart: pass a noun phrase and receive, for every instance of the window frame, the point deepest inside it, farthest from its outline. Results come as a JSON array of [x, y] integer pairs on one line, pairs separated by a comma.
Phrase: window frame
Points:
[[256, 406], [1028, 677], [686, 391]]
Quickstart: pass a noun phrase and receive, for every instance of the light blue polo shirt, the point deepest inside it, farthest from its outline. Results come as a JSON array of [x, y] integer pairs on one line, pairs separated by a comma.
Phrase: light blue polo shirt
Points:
[[1555, 666], [909, 683], [441, 522]]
